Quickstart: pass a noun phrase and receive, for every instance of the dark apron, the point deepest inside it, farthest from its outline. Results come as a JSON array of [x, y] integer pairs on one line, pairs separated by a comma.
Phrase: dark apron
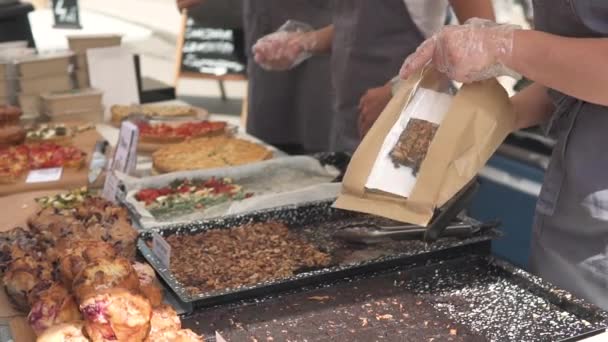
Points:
[[570, 236], [372, 38], [291, 107]]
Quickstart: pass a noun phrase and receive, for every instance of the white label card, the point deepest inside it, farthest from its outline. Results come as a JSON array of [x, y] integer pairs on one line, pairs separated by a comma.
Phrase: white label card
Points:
[[219, 338], [124, 160], [161, 249], [44, 175]]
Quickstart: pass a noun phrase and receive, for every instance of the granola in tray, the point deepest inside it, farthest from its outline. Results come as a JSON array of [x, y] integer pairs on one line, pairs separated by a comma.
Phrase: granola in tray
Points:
[[413, 144], [184, 196]]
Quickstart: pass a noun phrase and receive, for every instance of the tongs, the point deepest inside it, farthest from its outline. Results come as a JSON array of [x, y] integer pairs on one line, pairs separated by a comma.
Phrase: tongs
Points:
[[445, 223]]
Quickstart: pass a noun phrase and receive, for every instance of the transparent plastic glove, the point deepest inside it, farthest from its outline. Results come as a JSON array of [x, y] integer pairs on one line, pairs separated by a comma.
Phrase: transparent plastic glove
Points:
[[288, 47], [467, 53]]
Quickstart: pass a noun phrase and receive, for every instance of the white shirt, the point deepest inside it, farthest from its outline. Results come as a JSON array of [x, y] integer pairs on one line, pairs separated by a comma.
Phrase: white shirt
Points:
[[428, 15]]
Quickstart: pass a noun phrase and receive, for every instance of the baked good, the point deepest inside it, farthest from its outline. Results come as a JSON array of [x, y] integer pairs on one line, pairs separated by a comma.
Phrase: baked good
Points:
[[413, 144], [183, 335], [10, 115], [67, 200], [162, 133], [16, 243], [148, 283], [120, 113], [74, 256], [184, 196], [16, 160], [22, 276], [11, 135], [116, 315], [208, 153], [102, 274], [65, 332], [58, 134], [164, 318], [54, 305]]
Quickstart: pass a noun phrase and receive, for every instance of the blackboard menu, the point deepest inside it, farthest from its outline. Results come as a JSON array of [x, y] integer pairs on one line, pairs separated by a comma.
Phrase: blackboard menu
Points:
[[215, 51], [66, 14]]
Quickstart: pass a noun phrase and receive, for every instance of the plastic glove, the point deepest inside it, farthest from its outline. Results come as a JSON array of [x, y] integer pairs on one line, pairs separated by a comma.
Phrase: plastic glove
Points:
[[289, 46], [468, 53]]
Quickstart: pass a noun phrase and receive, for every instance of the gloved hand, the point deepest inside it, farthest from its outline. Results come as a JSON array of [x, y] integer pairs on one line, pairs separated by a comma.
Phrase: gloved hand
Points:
[[475, 51], [289, 46]]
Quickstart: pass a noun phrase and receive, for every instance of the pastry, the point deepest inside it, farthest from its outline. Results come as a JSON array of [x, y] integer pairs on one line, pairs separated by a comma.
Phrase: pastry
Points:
[[74, 256], [120, 113], [164, 318], [183, 335], [9, 115], [54, 133], [207, 153], [162, 133], [185, 196], [116, 315], [102, 274], [148, 283], [54, 306], [22, 276], [11, 135], [413, 144], [66, 332]]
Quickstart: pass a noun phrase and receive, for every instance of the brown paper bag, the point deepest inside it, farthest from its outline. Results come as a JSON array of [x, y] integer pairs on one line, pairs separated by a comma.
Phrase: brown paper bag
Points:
[[478, 119]]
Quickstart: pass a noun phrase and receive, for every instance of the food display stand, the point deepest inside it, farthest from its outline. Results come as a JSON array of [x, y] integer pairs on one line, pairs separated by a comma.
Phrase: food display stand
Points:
[[451, 289]]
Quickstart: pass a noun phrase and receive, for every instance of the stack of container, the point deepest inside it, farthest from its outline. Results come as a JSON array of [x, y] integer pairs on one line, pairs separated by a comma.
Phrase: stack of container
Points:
[[39, 74], [80, 44], [9, 51], [82, 105]]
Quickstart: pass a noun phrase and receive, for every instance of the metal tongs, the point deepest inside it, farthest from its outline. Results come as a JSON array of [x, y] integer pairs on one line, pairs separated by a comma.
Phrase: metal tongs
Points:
[[445, 223]]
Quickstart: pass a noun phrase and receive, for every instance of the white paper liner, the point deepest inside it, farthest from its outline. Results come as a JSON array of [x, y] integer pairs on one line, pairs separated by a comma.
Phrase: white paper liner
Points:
[[426, 105], [264, 179]]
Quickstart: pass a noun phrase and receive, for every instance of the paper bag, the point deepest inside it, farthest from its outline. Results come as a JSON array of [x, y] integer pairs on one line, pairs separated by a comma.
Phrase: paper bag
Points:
[[473, 124]]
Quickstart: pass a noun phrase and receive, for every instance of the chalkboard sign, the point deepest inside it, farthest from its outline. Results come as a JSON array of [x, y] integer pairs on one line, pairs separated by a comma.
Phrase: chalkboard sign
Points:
[[211, 51], [66, 14]]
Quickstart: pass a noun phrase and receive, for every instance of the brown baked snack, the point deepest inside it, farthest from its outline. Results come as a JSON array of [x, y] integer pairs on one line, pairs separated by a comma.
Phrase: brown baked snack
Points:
[[414, 143], [76, 255], [9, 115], [208, 153], [183, 335], [66, 332], [55, 305], [164, 318], [116, 315], [148, 283], [22, 276], [103, 274], [120, 113], [11, 135]]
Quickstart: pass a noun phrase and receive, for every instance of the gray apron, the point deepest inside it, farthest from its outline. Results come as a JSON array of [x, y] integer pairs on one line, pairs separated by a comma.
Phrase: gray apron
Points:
[[371, 40], [290, 107], [570, 235]]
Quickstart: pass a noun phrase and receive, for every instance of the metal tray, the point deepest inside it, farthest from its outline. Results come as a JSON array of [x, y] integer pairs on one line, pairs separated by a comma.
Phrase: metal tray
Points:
[[316, 222], [480, 295]]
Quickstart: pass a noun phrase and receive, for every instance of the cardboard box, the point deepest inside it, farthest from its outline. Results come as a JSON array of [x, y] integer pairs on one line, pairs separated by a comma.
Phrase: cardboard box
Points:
[[8, 88], [30, 104], [81, 61], [4, 101], [45, 65], [71, 101], [81, 43], [88, 116], [82, 79], [37, 86]]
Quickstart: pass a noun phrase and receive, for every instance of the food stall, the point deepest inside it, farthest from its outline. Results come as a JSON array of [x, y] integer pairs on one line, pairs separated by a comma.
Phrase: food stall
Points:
[[211, 234]]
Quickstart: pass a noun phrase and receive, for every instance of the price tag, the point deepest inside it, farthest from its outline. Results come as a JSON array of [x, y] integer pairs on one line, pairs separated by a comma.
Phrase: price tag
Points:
[[161, 249], [124, 160], [44, 175]]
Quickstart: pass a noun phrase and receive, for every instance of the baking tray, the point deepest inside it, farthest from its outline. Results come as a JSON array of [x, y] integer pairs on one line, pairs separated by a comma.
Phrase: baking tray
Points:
[[482, 298], [316, 222]]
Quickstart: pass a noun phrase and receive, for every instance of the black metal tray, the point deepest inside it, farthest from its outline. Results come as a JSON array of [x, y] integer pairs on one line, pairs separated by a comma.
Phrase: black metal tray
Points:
[[316, 222], [480, 297]]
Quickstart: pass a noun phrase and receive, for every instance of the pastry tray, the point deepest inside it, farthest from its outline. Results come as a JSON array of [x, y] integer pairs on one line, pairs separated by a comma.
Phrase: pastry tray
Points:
[[484, 298], [316, 222]]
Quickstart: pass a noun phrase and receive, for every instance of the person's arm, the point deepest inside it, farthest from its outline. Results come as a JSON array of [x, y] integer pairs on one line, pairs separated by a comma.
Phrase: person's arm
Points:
[[323, 38], [467, 9], [532, 106], [186, 4], [577, 67]]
